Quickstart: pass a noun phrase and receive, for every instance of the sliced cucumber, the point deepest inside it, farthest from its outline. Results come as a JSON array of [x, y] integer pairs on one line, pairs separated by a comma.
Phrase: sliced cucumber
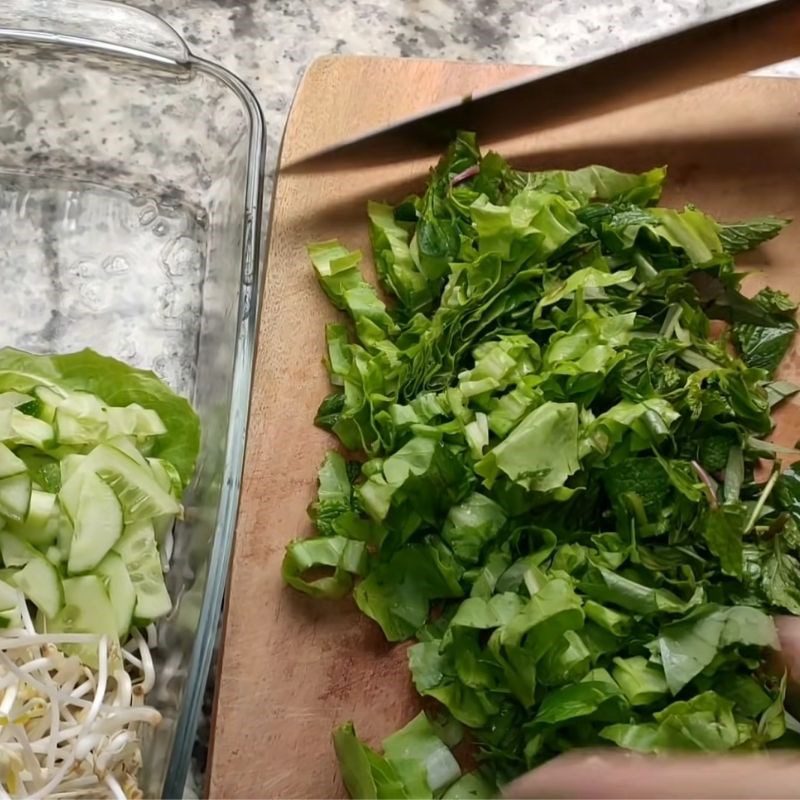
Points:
[[127, 445], [138, 491], [69, 466], [54, 555], [138, 550], [40, 526], [134, 420], [50, 396], [44, 468], [169, 480], [120, 590], [97, 524], [14, 399], [161, 527], [49, 400], [29, 430], [70, 495], [8, 596], [81, 419], [9, 606], [87, 609], [73, 430], [64, 539], [9, 463], [15, 496], [16, 552], [167, 476], [40, 583]]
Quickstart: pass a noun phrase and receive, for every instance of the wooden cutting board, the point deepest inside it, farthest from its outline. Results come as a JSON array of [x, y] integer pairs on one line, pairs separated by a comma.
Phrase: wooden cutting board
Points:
[[292, 667]]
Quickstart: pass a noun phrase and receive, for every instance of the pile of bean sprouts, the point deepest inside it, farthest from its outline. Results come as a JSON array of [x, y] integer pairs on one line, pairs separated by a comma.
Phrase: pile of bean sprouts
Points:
[[66, 730]]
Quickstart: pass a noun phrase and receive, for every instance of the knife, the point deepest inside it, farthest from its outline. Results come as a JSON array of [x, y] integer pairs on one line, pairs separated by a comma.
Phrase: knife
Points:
[[765, 32]]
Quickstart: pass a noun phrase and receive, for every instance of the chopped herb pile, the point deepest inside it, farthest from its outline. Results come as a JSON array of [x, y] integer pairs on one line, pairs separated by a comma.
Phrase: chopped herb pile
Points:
[[558, 499]]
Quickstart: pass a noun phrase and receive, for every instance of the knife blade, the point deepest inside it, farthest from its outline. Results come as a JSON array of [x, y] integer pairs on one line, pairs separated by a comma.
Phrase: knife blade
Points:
[[764, 33]]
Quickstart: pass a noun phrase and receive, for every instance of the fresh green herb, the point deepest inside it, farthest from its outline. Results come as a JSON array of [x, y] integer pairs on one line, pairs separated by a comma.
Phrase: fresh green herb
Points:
[[559, 499]]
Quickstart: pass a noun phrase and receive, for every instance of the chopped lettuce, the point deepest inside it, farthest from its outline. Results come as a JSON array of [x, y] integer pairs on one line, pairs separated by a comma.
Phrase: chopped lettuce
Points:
[[558, 498]]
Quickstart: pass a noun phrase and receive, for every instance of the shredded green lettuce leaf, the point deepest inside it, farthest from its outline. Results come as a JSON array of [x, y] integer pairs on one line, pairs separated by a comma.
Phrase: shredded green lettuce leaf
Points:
[[556, 497]]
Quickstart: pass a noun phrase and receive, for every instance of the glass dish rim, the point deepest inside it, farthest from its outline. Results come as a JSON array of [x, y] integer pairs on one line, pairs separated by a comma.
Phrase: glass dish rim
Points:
[[251, 284]]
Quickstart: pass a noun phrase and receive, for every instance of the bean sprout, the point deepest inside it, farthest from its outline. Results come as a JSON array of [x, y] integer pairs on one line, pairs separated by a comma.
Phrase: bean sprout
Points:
[[67, 731]]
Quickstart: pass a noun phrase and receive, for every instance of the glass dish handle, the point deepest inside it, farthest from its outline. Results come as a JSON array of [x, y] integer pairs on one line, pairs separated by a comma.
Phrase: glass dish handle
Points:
[[99, 24]]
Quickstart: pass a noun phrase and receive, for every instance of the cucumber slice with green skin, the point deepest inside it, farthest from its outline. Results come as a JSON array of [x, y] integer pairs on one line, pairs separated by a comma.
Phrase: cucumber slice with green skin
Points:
[[44, 468], [50, 396], [64, 540], [9, 463], [15, 399], [170, 481], [87, 609], [81, 419], [54, 555], [15, 496], [120, 590], [40, 526], [39, 582], [138, 491], [70, 494], [16, 552], [73, 430], [24, 429], [127, 445], [167, 476], [70, 464], [134, 420], [161, 527], [137, 547], [49, 400], [8, 596], [9, 606], [97, 524]]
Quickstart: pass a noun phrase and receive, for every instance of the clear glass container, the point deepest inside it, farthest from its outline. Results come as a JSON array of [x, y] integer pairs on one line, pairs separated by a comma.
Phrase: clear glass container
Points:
[[131, 177]]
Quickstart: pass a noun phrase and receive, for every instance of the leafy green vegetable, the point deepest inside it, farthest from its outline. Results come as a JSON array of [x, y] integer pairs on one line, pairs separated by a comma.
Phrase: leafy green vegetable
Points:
[[687, 647], [118, 384], [416, 764], [705, 722], [641, 681], [94, 459], [560, 499], [344, 556], [367, 775], [724, 531], [737, 237], [540, 453], [764, 346]]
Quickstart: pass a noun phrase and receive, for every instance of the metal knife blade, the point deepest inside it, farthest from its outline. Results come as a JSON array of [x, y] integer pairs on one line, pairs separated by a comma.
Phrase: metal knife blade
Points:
[[766, 32]]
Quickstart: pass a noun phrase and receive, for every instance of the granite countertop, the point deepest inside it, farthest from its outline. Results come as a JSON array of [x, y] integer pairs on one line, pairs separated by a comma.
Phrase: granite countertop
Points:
[[268, 43]]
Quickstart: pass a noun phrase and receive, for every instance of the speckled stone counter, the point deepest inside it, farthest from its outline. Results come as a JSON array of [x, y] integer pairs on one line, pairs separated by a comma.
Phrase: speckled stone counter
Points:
[[268, 43]]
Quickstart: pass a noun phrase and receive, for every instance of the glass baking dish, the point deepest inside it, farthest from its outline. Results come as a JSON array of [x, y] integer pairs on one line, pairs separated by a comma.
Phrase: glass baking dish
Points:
[[131, 177]]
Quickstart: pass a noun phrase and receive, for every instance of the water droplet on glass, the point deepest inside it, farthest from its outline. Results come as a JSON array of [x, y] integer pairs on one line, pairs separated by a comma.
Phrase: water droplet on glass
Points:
[[126, 350], [81, 269], [147, 215], [182, 257], [115, 265], [94, 295]]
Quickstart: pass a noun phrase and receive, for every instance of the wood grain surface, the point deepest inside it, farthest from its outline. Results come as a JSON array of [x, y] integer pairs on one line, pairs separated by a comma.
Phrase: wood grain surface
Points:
[[292, 667]]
